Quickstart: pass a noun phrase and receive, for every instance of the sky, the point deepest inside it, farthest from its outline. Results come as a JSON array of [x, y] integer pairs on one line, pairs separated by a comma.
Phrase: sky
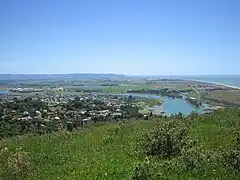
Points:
[[134, 37]]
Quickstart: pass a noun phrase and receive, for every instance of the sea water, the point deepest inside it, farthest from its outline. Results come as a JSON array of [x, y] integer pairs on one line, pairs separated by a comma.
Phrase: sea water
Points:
[[231, 80], [3, 92]]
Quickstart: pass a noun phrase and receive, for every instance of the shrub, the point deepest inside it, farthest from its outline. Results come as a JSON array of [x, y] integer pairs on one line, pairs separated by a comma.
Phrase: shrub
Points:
[[232, 159], [165, 141], [232, 156], [146, 171], [15, 165], [143, 171], [192, 159]]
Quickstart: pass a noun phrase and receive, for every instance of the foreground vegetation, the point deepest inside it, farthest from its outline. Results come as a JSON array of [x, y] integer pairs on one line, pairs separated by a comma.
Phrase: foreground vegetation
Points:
[[196, 147]]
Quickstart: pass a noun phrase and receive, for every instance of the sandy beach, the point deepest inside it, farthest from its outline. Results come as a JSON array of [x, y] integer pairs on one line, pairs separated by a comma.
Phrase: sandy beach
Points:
[[226, 85]]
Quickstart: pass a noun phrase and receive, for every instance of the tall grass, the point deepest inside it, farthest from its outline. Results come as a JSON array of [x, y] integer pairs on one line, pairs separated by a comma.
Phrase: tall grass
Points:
[[111, 151]]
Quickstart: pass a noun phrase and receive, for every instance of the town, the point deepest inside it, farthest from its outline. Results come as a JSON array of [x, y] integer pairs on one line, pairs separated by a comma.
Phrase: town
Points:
[[46, 113], [41, 106]]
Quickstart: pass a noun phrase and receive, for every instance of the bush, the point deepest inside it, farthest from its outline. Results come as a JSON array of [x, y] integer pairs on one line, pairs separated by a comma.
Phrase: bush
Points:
[[15, 165], [129, 111], [232, 156], [165, 141], [192, 159], [146, 171], [232, 159], [143, 172]]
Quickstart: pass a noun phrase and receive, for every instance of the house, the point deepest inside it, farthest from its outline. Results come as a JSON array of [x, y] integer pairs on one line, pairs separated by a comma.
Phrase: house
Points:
[[116, 115], [87, 120]]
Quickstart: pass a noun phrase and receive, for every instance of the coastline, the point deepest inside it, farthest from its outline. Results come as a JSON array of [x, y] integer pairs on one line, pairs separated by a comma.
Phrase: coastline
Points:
[[216, 83]]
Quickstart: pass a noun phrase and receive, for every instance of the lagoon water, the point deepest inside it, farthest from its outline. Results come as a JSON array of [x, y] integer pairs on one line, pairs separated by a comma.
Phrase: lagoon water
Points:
[[171, 106], [174, 106]]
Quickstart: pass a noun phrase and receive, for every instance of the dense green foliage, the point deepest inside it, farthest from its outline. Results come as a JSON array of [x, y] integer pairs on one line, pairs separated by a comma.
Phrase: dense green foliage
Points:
[[195, 147], [166, 140], [129, 111], [31, 116], [10, 125], [206, 147]]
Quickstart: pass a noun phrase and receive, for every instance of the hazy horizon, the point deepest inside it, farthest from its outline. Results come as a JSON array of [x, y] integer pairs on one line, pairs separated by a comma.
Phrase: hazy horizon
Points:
[[133, 37], [98, 73]]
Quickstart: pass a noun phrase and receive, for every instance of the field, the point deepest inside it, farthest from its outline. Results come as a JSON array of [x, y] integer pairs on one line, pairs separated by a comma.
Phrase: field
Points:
[[4, 88], [228, 98], [110, 151], [231, 96], [124, 87], [175, 86], [141, 102], [194, 94]]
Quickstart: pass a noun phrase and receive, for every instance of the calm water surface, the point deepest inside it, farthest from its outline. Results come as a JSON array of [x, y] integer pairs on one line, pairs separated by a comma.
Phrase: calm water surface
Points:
[[3, 92], [232, 80], [172, 106]]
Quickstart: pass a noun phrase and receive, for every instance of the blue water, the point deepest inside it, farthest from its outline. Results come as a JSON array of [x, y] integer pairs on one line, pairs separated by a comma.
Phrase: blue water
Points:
[[173, 106], [232, 80], [3, 92]]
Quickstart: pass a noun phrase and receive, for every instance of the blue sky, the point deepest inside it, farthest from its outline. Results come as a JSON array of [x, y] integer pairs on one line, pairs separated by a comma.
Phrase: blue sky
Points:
[[148, 37]]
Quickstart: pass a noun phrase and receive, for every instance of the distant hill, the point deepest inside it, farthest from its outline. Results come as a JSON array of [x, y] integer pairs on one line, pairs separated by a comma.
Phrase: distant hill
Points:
[[59, 76]]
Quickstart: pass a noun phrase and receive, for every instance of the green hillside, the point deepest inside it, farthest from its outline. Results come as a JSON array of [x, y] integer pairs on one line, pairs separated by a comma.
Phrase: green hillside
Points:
[[196, 147]]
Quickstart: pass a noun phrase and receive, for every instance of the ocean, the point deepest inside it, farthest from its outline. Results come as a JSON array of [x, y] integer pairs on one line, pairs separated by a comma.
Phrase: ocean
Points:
[[3, 92], [230, 80]]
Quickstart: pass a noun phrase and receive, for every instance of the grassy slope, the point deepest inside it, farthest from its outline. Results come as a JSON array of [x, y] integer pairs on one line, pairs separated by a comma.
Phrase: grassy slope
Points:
[[109, 151], [83, 155]]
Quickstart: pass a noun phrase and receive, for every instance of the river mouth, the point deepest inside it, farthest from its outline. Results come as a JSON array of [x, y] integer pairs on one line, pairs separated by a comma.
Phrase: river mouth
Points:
[[170, 105]]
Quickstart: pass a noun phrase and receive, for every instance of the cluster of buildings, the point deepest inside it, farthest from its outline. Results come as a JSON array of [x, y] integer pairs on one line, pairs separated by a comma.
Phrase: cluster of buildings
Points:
[[57, 110], [26, 90], [35, 90], [209, 87]]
